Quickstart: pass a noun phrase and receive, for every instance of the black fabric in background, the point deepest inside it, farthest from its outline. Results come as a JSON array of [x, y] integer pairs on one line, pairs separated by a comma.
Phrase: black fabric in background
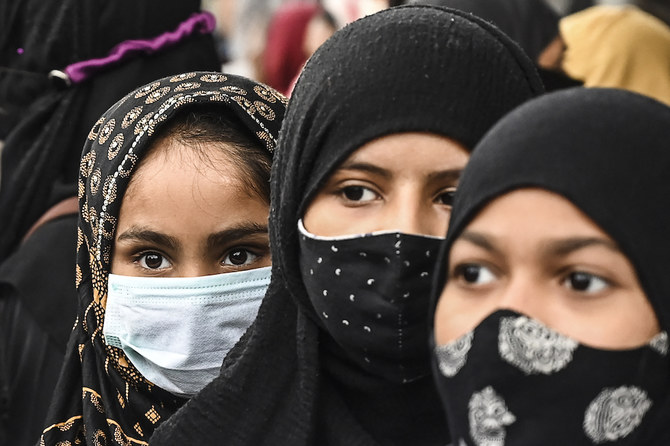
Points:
[[44, 123], [531, 23]]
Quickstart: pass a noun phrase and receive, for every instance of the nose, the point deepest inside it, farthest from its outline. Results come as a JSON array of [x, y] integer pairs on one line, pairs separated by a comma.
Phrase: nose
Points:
[[412, 213], [523, 294], [197, 269]]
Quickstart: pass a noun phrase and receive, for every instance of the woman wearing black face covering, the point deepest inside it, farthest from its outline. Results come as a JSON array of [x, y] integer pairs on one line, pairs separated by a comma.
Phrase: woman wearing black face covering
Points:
[[337, 354], [556, 333]]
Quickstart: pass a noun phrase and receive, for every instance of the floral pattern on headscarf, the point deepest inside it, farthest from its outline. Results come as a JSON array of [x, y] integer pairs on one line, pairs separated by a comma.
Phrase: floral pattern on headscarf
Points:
[[101, 398]]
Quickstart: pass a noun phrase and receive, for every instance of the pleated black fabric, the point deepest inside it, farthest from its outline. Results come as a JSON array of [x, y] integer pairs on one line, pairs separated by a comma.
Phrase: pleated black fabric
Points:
[[606, 151], [100, 396], [286, 382]]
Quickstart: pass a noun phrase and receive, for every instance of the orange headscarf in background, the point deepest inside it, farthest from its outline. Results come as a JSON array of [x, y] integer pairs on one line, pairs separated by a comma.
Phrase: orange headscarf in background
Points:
[[620, 47]]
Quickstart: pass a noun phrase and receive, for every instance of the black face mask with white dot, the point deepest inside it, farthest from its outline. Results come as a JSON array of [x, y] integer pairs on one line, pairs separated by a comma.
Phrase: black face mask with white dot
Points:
[[372, 293], [514, 381]]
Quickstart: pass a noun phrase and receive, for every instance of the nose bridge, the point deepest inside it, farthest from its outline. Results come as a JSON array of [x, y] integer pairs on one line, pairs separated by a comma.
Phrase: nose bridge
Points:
[[521, 294], [196, 267], [405, 212]]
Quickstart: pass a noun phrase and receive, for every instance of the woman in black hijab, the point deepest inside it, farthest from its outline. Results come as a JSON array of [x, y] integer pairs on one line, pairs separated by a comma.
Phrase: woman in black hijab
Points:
[[298, 376], [124, 374], [552, 326]]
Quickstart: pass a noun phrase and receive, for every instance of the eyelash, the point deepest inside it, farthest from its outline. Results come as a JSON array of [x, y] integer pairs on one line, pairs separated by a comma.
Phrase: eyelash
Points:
[[449, 190], [257, 252], [137, 258], [605, 283], [341, 192], [459, 272]]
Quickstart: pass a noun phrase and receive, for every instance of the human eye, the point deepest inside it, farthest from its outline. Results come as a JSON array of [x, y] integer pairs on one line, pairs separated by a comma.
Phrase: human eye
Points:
[[358, 194], [584, 282], [446, 196], [240, 257], [473, 274], [152, 260]]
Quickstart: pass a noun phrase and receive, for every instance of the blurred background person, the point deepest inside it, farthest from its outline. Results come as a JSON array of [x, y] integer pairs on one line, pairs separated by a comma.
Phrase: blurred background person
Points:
[[296, 30], [618, 46], [533, 24]]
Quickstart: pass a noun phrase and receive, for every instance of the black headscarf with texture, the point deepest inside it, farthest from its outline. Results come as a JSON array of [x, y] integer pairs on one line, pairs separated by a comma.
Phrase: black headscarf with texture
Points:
[[100, 396], [606, 151], [415, 68]]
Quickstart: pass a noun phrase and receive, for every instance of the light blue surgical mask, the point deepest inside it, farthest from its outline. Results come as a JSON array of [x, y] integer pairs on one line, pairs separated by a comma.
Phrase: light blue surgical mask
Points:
[[177, 330]]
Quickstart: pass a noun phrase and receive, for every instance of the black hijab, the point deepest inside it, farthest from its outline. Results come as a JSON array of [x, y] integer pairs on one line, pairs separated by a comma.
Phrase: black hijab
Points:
[[605, 151], [100, 396], [43, 121], [404, 69]]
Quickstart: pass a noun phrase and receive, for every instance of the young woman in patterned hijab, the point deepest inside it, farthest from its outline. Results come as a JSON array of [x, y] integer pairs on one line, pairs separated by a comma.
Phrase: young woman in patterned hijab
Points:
[[172, 248], [552, 326]]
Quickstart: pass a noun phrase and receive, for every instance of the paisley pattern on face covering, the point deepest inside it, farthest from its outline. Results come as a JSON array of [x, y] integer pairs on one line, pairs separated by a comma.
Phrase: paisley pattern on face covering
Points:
[[531, 356]]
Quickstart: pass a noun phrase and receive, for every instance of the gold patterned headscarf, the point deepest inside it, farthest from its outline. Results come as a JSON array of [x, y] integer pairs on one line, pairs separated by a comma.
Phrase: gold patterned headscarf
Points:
[[101, 398], [618, 47]]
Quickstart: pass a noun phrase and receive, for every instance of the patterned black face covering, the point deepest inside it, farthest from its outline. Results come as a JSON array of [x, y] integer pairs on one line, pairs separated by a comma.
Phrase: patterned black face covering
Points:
[[371, 292], [580, 395]]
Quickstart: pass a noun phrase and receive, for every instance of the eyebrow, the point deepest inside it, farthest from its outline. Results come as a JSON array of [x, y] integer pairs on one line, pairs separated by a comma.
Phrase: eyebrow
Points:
[[140, 234], [366, 167], [235, 233], [560, 247], [569, 245], [442, 175], [445, 175], [479, 240]]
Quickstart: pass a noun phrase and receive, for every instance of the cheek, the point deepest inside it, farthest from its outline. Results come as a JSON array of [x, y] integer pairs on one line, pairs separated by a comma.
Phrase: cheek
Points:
[[624, 321], [327, 216], [454, 316]]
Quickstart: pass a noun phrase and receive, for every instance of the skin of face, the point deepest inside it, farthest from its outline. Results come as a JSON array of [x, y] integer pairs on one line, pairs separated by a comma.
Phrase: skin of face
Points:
[[403, 182], [318, 31], [551, 58], [188, 214], [534, 252]]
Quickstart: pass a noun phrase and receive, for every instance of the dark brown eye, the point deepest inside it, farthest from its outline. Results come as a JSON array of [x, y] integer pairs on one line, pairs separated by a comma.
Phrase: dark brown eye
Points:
[[470, 273], [447, 197], [585, 282], [358, 193], [239, 257], [153, 260], [474, 274], [354, 193]]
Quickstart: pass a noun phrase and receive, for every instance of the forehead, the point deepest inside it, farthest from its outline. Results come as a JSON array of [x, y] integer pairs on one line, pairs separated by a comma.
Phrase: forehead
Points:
[[534, 212], [411, 149]]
